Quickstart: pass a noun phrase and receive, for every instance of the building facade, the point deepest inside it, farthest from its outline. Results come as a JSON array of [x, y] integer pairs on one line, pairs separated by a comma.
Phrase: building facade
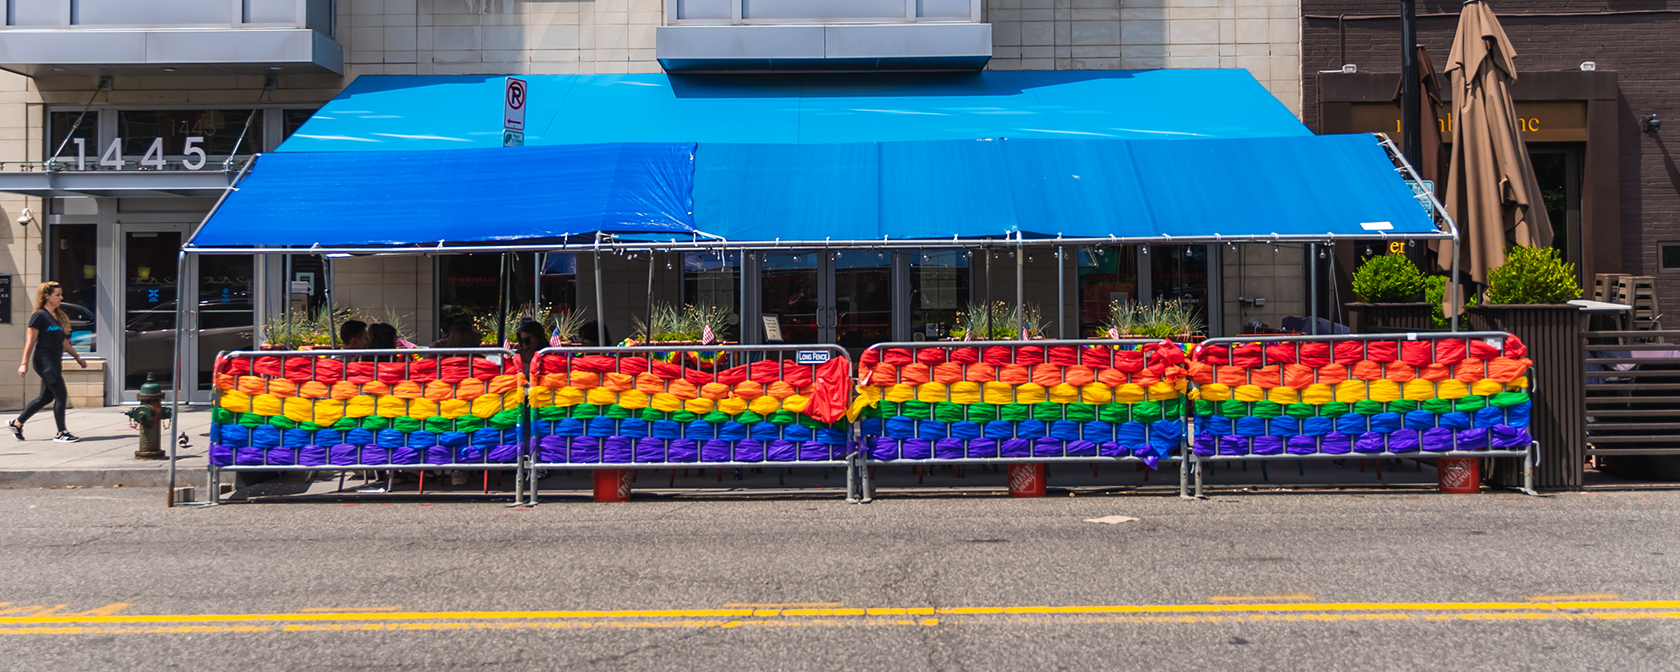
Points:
[[1590, 75], [120, 127]]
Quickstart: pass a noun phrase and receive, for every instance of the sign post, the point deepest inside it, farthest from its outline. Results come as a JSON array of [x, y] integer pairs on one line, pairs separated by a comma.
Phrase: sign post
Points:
[[513, 113]]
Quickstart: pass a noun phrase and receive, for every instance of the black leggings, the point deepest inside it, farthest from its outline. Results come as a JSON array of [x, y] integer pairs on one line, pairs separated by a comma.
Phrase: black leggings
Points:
[[52, 389]]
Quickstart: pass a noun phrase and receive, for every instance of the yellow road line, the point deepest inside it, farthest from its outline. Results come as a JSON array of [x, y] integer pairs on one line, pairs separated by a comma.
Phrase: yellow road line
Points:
[[346, 609], [786, 604], [52, 616], [1555, 598], [1238, 598], [825, 623]]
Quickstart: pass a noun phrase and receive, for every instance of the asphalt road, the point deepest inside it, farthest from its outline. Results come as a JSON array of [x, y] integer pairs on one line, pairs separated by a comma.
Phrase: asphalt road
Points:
[[109, 579]]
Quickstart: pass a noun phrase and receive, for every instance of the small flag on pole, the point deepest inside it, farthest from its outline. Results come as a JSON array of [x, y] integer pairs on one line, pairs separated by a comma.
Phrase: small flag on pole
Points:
[[555, 341], [706, 335], [1113, 333]]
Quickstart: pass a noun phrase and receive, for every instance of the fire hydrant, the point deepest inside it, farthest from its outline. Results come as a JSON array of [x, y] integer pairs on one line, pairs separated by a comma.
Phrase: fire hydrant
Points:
[[149, 417]]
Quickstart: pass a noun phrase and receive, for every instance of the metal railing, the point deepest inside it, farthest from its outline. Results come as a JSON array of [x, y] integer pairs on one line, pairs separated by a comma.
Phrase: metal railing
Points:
[[277, 401], [1287, 440], [935, 442], [650, 392], [1633, 387]]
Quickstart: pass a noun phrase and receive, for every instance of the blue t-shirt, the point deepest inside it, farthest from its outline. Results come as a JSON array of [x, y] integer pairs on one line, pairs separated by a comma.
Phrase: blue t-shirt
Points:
[[49, 339]]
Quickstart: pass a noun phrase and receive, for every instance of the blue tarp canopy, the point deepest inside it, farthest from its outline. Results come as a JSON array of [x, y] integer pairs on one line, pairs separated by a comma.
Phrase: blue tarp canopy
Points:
[[407, 161], [351, 199], [396, 113], [1292, 187]]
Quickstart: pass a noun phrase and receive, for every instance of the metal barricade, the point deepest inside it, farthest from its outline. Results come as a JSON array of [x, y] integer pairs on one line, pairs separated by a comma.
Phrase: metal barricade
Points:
[[682, 406], [368, 410], [1454, 394], [1022, 402]]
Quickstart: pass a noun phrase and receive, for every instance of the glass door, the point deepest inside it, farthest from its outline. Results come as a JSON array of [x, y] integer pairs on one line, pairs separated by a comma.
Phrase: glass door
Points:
[[150, 271], [790, 289], [861, 313], [225, 311]]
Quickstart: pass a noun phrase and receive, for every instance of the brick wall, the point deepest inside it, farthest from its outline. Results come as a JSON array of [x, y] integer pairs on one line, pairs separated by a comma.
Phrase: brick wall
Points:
[[1640, 47]]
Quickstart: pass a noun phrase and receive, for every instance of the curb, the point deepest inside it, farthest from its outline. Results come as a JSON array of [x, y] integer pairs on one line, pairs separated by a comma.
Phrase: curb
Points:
[[86, 478]]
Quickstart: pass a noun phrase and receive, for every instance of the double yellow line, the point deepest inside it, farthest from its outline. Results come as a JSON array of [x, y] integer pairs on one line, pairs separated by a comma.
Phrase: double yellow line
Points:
[[106, 621]]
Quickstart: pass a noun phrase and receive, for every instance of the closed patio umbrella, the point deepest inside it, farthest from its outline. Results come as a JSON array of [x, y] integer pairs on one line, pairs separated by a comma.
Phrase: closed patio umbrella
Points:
[[1491, 190]]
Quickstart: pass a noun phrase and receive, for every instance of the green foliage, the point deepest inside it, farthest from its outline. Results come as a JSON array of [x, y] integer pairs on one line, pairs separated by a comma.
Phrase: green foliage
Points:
[[1533, 275], [668, 323], [319, 328], [1388, 278], [1435, 292], [998, 322], [1162, 319]]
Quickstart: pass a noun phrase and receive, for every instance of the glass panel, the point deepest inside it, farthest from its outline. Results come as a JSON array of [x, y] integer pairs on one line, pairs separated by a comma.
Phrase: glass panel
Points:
[[1670, 257], [789, 292], [470, 282], [1106, 274], [219, 128], [711, 279], [60, 126], [75, 268], [292, 120], [1551, 171], [224, 309], [863, 299], [149, 305], [1180, 272], [938, 291]]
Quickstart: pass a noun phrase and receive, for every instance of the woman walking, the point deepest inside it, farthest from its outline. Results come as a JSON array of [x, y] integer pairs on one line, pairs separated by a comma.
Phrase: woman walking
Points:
[[49, 331]]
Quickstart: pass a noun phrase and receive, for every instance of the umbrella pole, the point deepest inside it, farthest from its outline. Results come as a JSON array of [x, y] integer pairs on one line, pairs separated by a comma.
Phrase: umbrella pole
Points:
[[1458, 307]]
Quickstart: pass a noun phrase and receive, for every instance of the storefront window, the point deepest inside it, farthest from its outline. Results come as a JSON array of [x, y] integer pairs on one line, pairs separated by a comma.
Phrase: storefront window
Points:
[[938, 291], [219, 128], [714, 280], [863, 299], [1180, 273], [789, 293], [63, 125], [1106, 274], [72, 266], [470, 282], [292, 120]]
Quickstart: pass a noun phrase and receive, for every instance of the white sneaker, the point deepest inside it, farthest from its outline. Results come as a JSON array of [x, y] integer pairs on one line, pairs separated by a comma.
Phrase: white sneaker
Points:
[[66, 437]]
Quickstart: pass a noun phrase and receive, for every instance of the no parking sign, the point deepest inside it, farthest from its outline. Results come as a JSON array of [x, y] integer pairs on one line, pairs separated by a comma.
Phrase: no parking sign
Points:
[[513, 113]]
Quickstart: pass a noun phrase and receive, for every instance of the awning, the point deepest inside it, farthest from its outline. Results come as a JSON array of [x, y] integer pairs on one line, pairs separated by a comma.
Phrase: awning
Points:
[[393, 113], [349, 199], [1285, 188]]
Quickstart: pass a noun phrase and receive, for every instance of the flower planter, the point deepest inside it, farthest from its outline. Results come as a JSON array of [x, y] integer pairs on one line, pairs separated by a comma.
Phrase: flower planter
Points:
[[1553, 335], [1390, 317]]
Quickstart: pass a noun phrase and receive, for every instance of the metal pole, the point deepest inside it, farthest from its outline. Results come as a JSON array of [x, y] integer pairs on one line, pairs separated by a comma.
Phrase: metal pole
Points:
[[175, 380], [600, 306], [1020, 289], [1411, 125], [536, 286], [1061, 294], [327, 284], [1453, 300], [1312, 302], [651, 258], [502, 285]]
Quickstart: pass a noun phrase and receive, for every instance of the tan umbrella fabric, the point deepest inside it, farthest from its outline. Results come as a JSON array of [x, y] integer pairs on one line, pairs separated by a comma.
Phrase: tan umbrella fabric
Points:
[[1433, 164], [1491, 190]]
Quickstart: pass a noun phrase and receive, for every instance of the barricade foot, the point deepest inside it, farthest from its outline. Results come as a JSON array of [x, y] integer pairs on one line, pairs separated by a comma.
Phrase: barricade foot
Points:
[[1026, 480]]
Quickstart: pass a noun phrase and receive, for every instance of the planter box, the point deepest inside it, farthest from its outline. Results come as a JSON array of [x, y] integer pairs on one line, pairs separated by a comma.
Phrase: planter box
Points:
[[1553, 336], [1364, 317]]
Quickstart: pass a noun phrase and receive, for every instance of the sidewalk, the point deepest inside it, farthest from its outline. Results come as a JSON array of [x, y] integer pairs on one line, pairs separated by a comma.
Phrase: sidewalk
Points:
[[105, 455]]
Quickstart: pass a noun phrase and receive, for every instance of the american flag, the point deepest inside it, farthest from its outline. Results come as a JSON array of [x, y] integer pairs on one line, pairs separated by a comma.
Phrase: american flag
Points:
[[706, 335], [555, 340], [1113, 333]]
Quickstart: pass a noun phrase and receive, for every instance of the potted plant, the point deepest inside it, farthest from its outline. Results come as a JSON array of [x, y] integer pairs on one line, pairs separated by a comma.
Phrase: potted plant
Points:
[[1174, 319], [687, 325], [1391, 296], [1528, 296], [1000, 321]]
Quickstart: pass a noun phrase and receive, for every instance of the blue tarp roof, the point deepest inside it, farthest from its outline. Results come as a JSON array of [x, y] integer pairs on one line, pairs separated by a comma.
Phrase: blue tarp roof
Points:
[[340, 199], [1341, 185], [389, 113], [1146, 154]]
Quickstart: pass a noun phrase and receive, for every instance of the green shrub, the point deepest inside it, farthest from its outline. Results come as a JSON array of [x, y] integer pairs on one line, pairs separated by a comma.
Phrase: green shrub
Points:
[[1532, 275], [1388, 278]]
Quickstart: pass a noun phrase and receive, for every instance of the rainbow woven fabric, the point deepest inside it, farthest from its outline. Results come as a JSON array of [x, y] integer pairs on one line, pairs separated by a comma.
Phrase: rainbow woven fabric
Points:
[[955, 402], [633, 408], [318, 411], [1369, 397]]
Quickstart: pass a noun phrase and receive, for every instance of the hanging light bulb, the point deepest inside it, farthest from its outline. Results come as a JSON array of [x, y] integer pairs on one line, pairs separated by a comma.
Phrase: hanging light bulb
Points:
[[837, 256], [1146, 249], [968, 254], [1099, 251], [1189, 252], [1029, 258], [1321, 253], [668, 266], [1276, 250]]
